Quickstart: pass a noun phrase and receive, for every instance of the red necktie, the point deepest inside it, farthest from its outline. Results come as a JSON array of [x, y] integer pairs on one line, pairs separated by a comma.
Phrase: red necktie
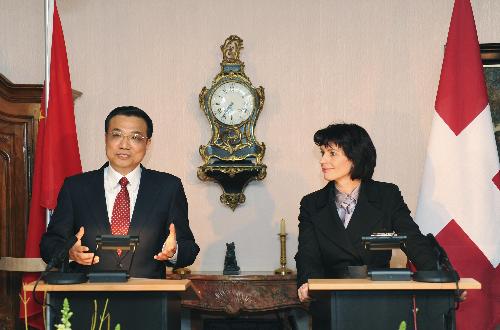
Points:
[[120, 219]]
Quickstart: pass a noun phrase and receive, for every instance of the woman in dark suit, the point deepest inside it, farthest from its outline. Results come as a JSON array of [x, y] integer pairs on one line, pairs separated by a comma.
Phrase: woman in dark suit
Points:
[[333, 220]]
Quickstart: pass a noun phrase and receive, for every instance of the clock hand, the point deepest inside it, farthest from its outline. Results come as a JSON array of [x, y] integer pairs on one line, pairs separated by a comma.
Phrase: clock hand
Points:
[[229, 107]]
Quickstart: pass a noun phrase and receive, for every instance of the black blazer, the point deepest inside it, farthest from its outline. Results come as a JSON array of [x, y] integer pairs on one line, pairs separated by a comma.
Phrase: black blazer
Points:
[[326, 248], [160, 201]]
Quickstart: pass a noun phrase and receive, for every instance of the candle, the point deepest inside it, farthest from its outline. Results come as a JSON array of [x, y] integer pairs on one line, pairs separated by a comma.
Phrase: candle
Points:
[[282, 227]]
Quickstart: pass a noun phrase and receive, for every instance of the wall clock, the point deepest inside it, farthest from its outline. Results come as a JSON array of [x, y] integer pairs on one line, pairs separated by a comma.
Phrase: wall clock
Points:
[[233, 156]]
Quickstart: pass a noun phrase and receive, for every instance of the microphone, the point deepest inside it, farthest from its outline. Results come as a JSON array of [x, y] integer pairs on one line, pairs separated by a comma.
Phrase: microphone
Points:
[[443, 260], [445, 272], [60, 257], [62, 253]]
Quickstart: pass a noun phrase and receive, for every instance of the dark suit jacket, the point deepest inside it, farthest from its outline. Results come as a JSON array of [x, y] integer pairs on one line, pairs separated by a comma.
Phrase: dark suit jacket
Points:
[[326, 248], [160, 201]]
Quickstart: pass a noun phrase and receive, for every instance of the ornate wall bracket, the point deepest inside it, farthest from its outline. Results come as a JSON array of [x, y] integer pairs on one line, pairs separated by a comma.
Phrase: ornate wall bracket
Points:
[[232, 179]]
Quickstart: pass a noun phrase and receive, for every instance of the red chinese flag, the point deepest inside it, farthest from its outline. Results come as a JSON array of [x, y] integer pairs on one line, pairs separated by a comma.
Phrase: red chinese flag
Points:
[[56, 156], [460, 197]]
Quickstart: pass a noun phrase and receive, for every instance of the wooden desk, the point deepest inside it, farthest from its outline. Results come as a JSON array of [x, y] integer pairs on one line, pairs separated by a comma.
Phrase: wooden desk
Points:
[[367, 284], [248, 293], [136, 304], [133, 284], [365, 304]]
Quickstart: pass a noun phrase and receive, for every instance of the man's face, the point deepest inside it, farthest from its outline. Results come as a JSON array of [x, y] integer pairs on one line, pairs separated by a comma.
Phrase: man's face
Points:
[[126, 142]]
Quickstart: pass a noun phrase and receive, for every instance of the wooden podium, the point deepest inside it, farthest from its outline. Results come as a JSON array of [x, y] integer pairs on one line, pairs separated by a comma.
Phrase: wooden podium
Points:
[[365, 304], [137, 304]]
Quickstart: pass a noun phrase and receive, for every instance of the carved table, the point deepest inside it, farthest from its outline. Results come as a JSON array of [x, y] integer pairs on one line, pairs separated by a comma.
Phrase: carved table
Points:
[[233, 295]]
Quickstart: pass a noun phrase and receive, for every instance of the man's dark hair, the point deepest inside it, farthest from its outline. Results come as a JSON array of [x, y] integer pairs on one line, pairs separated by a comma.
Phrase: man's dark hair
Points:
[[356, 144], [130, 111]]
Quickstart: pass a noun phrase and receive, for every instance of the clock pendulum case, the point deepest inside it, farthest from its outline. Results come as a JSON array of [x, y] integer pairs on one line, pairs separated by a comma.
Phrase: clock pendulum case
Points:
[[233, 156]]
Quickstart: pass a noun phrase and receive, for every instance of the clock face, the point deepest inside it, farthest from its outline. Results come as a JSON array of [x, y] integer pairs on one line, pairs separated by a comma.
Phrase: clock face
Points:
[[232, 103]]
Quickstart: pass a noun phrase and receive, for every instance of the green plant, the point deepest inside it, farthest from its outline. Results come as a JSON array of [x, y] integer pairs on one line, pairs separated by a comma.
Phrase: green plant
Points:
[[66, 315], [103, 317], [402, 325], [25, 301]]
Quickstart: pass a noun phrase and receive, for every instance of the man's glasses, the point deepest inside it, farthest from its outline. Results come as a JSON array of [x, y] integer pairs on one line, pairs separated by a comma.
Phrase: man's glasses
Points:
[[134, 138]]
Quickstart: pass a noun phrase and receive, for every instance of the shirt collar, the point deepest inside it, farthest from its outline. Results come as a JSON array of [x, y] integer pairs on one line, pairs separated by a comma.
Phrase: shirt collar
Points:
[[133, 177], [340, 196]]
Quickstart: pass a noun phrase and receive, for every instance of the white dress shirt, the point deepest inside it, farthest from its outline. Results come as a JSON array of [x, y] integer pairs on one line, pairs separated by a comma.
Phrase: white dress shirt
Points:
[[112, 188]]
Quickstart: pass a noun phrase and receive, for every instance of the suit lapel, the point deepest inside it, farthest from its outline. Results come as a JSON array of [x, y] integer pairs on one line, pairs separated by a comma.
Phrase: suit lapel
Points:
[[329, 223], [96, 199], [367, 213], [366, 216], [146, 199]]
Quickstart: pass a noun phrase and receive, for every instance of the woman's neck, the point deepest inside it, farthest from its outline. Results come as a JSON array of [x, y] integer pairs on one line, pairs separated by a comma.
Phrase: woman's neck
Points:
[[347, 186]]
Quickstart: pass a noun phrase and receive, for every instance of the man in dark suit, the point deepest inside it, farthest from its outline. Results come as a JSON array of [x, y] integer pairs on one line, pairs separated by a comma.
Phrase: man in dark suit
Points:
[[123, 198]]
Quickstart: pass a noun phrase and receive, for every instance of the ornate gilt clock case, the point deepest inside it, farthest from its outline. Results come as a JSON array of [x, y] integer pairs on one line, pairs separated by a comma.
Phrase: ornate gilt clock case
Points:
[[233, 156]]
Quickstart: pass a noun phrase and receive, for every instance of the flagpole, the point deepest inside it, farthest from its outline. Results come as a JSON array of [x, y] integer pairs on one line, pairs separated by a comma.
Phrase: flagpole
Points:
[[47, 59], [49, 13]]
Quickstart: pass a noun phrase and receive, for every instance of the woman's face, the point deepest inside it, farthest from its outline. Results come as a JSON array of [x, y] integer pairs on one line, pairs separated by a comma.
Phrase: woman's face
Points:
[[334, 163]]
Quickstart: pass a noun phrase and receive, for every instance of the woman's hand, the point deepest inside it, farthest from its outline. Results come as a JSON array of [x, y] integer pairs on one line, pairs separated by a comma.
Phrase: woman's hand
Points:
[[303, 293]]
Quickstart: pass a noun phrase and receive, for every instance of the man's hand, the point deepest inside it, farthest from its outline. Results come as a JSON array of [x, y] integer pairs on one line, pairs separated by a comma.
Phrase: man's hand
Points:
[[303, 293], [170, 245], [78, 252]]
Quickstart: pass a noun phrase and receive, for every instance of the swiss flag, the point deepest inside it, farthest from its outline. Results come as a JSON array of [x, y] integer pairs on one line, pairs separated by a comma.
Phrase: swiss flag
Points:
[[460, 197], [56, 157]]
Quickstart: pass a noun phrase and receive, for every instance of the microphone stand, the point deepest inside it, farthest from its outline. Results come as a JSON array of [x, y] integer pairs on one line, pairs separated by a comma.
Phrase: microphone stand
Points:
[[63, 276]]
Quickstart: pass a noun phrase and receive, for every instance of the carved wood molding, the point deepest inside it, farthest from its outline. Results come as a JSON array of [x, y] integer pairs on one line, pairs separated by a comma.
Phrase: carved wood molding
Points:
[[241, 293], [490, 53], [24, 93]]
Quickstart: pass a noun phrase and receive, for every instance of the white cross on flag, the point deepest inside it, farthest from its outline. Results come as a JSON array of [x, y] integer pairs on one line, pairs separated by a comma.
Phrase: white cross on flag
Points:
[[460, 193]]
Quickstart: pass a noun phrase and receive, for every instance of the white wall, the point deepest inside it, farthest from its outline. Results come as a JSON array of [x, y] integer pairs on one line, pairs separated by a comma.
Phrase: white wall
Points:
[[376, 63]]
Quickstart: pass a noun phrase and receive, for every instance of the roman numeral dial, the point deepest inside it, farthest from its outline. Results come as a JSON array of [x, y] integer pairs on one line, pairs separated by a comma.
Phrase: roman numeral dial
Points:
[[232, 103]]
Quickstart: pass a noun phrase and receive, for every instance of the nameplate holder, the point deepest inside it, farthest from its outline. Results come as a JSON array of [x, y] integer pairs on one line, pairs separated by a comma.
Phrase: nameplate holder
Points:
[[108, 276], [390, 274]]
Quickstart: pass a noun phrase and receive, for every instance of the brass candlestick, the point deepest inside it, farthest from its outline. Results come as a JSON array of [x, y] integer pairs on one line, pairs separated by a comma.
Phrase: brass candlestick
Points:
[[283, 270], [182, 271]]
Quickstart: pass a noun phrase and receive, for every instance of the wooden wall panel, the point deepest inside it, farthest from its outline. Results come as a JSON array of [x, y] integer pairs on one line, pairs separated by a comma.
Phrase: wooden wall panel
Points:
[[19, 105]]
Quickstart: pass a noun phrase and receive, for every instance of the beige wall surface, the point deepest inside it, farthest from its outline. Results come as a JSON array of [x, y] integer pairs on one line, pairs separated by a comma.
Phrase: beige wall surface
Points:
[[376, 63]]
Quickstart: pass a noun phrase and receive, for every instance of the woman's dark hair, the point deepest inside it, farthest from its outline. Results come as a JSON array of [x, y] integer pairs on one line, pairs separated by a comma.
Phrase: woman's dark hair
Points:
[[130, 111], [356, 144]]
